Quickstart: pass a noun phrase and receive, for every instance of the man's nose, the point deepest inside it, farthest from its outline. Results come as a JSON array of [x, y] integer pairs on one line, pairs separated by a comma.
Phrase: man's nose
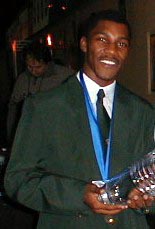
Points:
[[111, 48]]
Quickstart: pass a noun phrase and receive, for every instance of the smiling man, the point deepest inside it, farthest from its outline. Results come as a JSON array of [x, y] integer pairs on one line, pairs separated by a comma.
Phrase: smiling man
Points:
[[106, 47], [60, 152]]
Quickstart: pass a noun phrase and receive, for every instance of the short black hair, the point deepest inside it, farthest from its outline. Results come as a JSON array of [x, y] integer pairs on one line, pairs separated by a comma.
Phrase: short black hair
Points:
[[37, 51], [111, 15]]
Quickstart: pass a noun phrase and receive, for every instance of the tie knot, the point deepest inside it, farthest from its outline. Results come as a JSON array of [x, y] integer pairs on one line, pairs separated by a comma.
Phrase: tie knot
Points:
[[100, 94]]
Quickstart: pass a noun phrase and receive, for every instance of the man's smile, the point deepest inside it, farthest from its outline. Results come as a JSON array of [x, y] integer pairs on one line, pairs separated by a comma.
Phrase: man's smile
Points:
[[109, 61]]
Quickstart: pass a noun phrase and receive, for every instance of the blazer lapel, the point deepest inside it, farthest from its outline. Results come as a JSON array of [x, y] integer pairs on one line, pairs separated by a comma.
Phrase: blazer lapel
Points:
[[84, 139], [123, 112]]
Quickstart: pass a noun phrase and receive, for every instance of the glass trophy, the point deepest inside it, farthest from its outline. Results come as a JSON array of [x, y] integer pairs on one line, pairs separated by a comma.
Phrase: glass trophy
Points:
[[140, 175]]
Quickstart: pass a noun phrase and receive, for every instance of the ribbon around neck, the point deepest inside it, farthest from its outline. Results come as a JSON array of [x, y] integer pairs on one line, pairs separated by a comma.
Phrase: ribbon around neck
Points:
[[104, 166]]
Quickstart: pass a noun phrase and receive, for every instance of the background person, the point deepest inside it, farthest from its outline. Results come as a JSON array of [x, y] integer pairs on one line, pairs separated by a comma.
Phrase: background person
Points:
[[53, 160], [41, 74]]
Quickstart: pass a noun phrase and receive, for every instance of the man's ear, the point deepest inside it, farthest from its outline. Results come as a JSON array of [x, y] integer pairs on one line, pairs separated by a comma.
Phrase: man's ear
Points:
[[83, 44]]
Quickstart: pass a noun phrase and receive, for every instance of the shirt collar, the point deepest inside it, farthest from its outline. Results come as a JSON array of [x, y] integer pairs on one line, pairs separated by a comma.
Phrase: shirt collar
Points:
[[93, 88]]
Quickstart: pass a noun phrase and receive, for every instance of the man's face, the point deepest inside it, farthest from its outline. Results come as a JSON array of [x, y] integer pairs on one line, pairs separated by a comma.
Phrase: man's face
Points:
[[105, 50], [37, 68]]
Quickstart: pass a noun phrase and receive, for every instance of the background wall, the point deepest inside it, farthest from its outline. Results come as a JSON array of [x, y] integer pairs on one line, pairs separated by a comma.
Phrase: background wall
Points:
[[141, 15]]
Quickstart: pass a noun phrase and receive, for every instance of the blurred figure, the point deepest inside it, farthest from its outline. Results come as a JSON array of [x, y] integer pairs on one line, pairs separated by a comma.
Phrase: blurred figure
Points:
[[41, 74]]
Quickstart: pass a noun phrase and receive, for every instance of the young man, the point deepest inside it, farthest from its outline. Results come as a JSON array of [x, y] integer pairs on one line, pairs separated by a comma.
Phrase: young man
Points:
[[41, 74], [55, 154]]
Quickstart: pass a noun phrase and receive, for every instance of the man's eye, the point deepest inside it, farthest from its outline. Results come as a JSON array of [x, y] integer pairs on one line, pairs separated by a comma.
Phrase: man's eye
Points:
[[123, 44], [103, 39]]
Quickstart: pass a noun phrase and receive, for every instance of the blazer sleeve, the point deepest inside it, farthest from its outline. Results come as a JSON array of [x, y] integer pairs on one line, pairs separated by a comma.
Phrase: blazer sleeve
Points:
[[27, 179]]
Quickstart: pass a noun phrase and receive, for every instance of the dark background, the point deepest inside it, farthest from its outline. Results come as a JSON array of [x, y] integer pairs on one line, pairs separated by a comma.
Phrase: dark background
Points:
[[8, 13]]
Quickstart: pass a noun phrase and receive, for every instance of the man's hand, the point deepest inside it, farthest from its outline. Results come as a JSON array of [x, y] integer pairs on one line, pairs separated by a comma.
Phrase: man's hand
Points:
[[91, 199], [138, 199]]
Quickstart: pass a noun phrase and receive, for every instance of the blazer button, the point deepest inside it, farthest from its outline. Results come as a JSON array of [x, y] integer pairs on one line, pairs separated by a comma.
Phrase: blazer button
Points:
[[79, 215]]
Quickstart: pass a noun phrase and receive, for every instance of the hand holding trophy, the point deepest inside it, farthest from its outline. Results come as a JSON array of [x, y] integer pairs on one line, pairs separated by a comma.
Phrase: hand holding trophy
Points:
[[141, 175]]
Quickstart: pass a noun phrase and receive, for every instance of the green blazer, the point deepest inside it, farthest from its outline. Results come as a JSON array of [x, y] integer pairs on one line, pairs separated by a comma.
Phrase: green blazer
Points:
[[53, 156]]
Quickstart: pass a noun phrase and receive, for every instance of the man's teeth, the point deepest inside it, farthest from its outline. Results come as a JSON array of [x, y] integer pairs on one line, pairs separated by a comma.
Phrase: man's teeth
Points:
[[108, 62]]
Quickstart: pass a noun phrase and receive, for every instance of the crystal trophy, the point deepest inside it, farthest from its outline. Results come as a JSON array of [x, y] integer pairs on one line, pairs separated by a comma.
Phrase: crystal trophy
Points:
[[140, 175]]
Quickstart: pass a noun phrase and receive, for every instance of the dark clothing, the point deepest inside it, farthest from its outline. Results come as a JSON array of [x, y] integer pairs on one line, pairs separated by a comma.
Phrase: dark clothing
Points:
[[26, 85], [53, 156], [15, 216]]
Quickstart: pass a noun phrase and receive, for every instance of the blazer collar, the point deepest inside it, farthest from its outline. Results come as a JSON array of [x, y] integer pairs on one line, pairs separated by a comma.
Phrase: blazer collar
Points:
[[76, 100]]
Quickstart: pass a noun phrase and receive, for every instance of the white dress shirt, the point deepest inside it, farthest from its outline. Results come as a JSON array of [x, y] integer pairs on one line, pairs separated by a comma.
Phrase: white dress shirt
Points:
[[93, 88]]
